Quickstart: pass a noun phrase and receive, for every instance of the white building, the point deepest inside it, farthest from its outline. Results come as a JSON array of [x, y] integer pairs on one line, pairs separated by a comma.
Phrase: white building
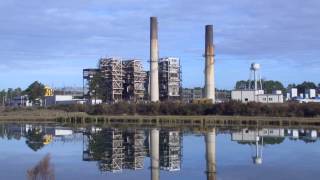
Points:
[[311, 93], [256, 94], [21, 101], [293, 93], [62, 99]]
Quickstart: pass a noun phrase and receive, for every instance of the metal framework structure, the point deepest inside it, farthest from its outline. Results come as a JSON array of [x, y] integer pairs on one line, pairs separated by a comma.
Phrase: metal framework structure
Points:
[[170, 78], [111, 68], [134, 79], [114, 153], [134, 149], [88, 75], [170, 150]]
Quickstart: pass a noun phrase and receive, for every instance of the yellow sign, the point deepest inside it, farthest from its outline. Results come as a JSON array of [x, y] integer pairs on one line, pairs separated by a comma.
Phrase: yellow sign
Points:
[[48, 91]]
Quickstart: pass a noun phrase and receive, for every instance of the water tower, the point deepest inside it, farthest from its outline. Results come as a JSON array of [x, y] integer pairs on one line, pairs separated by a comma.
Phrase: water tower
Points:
[[255, 77], [257, 158]]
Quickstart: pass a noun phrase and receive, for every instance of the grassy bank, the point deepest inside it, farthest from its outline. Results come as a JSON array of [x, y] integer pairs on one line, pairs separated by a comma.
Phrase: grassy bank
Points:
[[232, 108], [167, 110]]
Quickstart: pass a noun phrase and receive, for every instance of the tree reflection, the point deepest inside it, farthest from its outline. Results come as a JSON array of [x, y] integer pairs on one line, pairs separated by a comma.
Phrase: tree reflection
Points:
[[34, 139], [42, 171]]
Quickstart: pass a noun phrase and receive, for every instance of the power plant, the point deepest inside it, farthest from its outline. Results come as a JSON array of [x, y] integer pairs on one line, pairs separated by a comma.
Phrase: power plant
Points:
[[125, 80]]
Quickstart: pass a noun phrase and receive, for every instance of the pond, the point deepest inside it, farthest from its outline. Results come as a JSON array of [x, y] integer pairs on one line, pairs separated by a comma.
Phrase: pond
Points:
[[59, 151]]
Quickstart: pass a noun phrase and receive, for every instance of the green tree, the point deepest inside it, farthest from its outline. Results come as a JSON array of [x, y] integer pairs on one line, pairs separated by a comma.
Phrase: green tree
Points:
[[3, 94], [306, 85], [35, 91], [97, 87], [34, 139], [267, 85]]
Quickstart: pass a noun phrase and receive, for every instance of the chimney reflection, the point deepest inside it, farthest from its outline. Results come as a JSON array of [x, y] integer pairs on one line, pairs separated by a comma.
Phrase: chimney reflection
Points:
[[154, 155], [210, 140]]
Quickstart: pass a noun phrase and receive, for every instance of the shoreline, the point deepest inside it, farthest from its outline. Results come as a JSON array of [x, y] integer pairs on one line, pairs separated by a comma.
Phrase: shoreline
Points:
[[49, 115]]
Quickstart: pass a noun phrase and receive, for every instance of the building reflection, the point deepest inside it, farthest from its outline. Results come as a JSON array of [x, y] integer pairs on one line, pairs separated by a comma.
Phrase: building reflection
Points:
[[170, 150], [116, 149], [258, 138], [36, 135]]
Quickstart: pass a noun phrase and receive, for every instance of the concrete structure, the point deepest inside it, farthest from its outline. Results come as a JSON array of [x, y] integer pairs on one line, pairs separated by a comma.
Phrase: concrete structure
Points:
[[154, 58], [210, 140], [209, 87], [169, 78]]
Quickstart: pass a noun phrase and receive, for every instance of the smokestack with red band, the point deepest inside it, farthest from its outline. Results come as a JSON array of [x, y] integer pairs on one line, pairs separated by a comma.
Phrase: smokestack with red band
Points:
[[209, 87]]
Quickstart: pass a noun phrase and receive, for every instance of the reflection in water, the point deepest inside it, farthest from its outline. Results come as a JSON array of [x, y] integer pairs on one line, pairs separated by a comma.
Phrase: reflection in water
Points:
[[155, 162], [170, 150], [210, 141], [42, 171], [115, 149]]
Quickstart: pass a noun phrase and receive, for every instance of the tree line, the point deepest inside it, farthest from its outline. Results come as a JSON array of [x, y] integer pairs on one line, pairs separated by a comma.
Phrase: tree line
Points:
[[34, 91], [270, 85], [232, 108]]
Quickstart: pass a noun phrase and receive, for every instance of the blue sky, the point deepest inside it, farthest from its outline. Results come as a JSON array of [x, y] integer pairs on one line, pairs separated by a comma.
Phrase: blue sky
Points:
[[52, 41]]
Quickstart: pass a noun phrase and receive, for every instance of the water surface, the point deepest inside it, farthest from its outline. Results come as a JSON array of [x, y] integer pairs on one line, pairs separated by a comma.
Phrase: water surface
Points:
[[95, 152]]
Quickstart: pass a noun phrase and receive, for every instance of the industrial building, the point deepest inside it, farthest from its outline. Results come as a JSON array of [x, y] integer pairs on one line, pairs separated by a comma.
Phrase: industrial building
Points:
[[112, 72], [121, 80], [310, 96], [256, 94], [169, 78], [134, 80], [190, 94]]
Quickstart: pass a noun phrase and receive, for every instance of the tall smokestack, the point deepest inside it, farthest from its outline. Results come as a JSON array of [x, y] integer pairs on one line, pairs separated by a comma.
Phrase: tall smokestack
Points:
[[154, 56], [209, 87]]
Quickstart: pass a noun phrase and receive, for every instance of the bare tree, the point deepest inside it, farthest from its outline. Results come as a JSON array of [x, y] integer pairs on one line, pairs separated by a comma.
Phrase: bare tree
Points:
[[42, 171]]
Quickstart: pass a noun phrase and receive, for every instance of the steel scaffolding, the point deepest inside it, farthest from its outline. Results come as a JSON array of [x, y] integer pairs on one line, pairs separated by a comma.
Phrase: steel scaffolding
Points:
[[111, 68], [134, 149], [170, 78], [113, 157], [134, 79]]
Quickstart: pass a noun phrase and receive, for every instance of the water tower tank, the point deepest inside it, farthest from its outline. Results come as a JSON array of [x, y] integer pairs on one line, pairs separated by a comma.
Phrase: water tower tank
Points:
[[255, 66]]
